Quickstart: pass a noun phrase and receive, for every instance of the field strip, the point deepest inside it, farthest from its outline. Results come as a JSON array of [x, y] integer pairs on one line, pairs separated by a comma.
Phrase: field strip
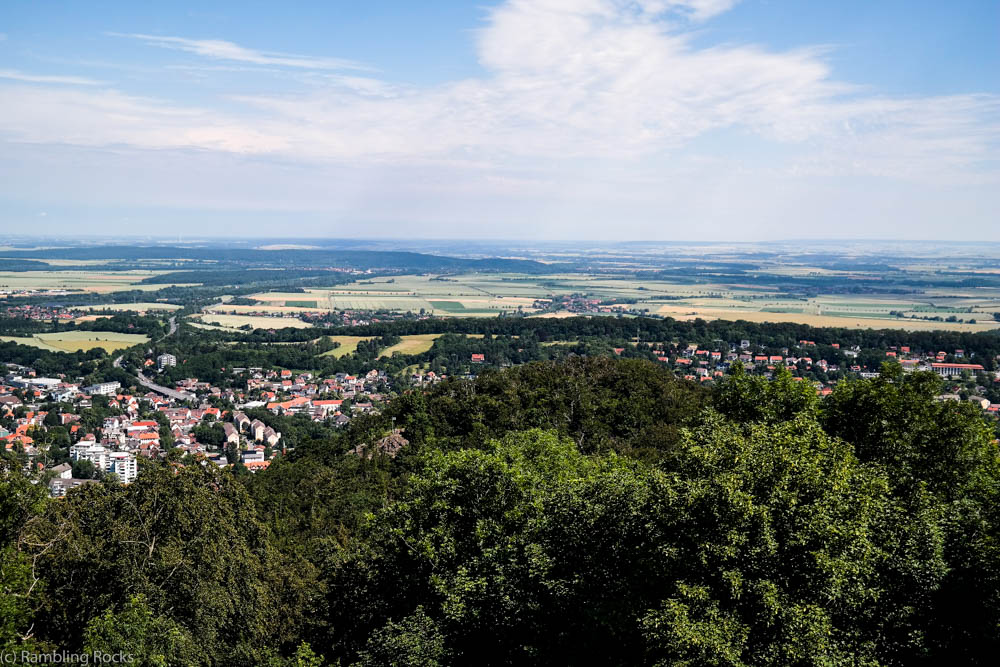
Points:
[[416, 344]]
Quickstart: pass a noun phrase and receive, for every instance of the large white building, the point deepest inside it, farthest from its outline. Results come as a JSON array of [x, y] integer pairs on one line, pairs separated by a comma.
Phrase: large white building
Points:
[[122, 464], [59, 486], [165, 360], [34, 383], [104, 388], [951, 370], [91, 451]]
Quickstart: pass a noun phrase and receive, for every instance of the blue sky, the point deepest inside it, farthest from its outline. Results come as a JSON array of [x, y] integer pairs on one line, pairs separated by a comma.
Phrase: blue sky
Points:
[[598, 119]]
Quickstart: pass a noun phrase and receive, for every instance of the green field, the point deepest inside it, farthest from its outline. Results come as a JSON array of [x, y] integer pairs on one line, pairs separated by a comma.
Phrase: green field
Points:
[[348, 345], [301, 304], [449, 306], [416, 344]]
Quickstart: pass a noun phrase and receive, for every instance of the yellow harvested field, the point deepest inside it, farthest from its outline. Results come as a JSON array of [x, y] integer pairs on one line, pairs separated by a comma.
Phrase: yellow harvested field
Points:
[[417, 344], [71, 341], [213, 327], [255, 321], [31, 341], [559, 315], [348, 345]]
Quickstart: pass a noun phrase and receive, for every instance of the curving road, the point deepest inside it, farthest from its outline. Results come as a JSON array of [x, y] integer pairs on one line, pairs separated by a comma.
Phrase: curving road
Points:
[[148, 384]]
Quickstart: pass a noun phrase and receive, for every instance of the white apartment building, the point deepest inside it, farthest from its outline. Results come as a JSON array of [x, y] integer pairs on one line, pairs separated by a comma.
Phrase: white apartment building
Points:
[[91, 451], [122, 464], [165, 360], [252, 455], [104, 388]]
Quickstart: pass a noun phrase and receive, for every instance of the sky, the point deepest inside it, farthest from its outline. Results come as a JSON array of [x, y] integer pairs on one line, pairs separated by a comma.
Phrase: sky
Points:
[[715, 120]]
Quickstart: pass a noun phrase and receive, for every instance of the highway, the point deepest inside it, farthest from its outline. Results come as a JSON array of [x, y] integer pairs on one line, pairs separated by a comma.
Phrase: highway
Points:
[[152, 386], [159, 389]]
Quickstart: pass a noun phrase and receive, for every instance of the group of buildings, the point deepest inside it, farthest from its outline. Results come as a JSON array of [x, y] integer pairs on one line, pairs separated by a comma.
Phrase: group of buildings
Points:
[[140, 423], [806, 360]]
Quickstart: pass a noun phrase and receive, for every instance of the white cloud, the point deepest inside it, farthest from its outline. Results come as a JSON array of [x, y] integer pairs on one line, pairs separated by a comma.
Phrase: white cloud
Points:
[[696, 10], [586, 107], [110, 118], [43, 78], [223, 50], [581, 79], [702, 9]]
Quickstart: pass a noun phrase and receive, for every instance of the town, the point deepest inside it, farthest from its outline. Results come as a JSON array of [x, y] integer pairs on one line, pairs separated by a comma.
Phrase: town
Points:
[[82, 434], [75, 434]]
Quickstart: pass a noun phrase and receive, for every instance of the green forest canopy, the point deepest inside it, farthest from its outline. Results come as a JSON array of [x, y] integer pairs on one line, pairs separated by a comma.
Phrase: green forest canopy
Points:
[[591, 511]]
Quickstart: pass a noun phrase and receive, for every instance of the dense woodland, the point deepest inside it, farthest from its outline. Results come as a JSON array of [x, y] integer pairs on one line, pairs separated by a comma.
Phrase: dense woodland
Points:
[[587, 511], [211, 258]]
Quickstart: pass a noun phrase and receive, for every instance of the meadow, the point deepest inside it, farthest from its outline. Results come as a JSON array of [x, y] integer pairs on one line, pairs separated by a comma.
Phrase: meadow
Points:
[[72, 341], [348, 345], [416, 344], [99, 282]]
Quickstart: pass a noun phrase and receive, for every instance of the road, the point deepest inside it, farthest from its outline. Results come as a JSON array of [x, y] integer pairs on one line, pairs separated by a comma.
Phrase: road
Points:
[[152, 386], [159, 389], [117, 363]]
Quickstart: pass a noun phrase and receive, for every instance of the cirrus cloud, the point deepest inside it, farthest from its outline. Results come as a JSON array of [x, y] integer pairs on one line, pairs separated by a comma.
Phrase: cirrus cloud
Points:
[[15, 75], [219, 49]]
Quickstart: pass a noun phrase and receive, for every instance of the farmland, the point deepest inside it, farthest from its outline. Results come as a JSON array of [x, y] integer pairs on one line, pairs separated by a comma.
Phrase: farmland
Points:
[[256, 322], [417, 344], [486, 295], [923, 287], [348, 345], [72, 341], [470, 295], [100, 282]]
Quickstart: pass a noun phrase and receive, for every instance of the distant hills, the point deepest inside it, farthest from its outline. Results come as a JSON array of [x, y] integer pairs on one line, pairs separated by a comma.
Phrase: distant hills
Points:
[[289, 258]]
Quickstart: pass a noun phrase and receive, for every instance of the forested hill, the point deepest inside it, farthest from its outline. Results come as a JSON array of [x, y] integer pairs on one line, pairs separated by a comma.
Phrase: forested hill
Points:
[[221, 258], [592, 511]]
